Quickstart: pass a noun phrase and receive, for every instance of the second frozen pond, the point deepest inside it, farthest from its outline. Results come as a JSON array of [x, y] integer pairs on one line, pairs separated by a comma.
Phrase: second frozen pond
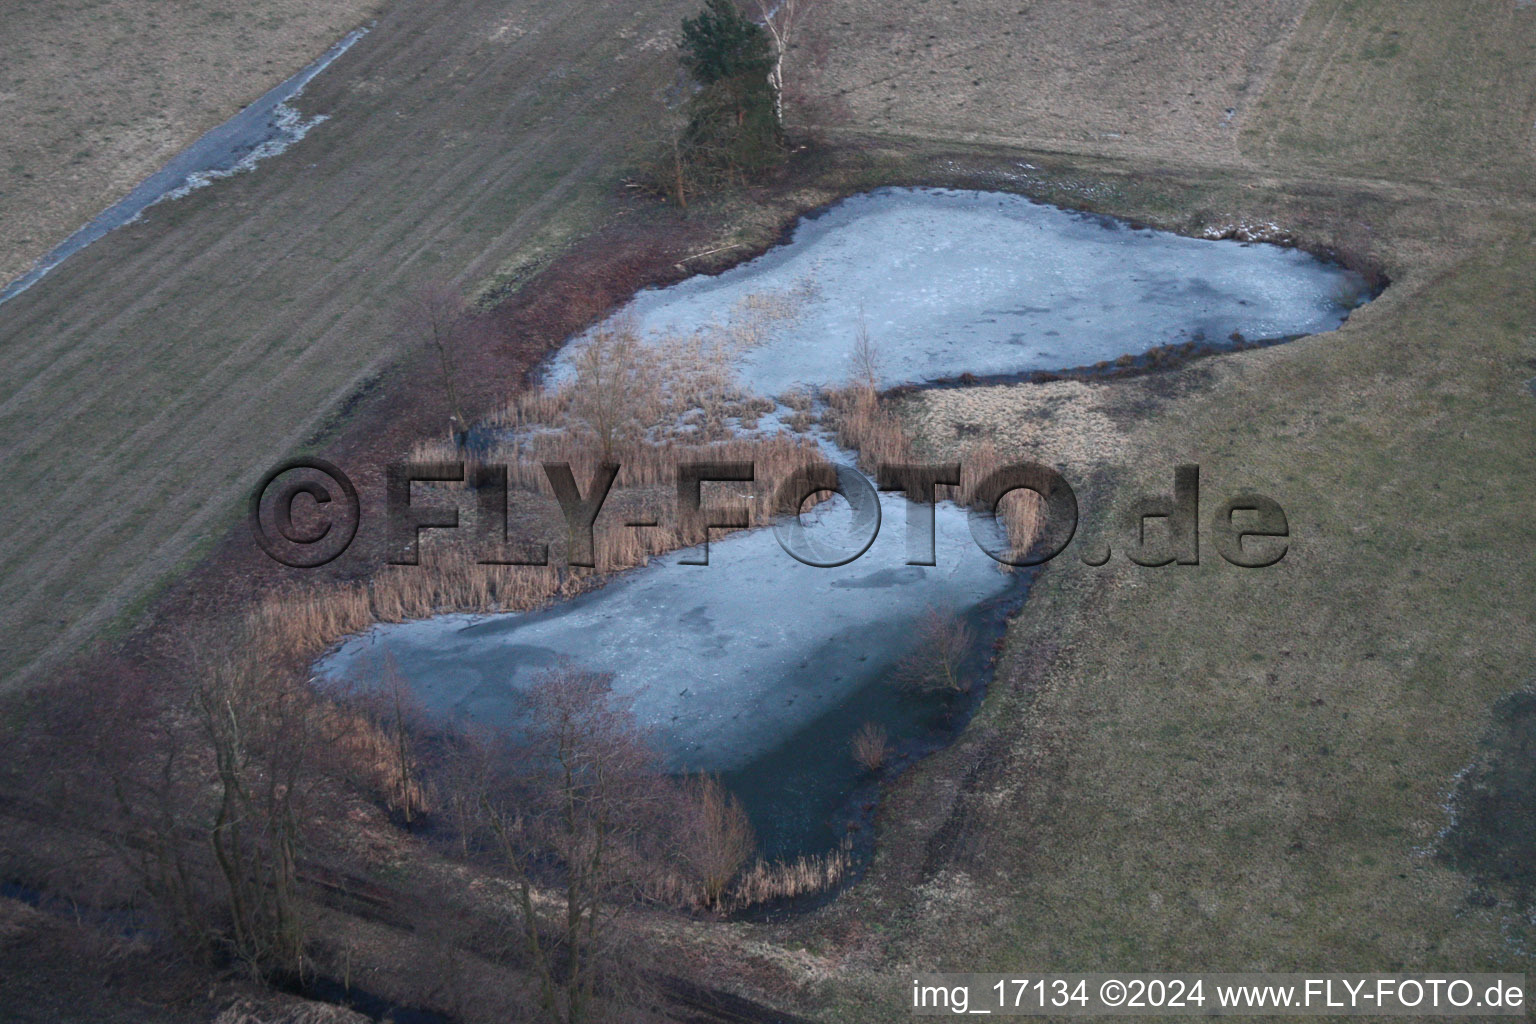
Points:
[[723, 661]]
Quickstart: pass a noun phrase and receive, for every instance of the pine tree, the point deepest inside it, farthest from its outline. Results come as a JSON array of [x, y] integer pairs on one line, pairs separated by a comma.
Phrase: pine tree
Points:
[[721, 43], [733, 131]]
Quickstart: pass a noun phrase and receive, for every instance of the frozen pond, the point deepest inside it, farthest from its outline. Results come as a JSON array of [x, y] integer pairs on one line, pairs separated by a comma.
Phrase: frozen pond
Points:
[[762, 667], [756, 665], [989, 283], [725, 661]]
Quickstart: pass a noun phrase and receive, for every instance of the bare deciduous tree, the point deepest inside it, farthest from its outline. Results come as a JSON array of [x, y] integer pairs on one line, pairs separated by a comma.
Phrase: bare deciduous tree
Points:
[[780, 18], [614, 393], [269, 738], [866, 358], [435, 313], [573, 820], [208, 792], [100, 755]]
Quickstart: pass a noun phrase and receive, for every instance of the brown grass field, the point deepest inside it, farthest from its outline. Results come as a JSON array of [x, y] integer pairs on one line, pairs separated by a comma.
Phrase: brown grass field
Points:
[[1246, 769], [156, 374], [97, 94], [1180, 768]]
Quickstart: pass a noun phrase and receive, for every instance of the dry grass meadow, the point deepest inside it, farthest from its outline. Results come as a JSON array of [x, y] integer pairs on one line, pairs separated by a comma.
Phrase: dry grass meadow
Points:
[[1183, 768], [1220, 768], [98, 94]]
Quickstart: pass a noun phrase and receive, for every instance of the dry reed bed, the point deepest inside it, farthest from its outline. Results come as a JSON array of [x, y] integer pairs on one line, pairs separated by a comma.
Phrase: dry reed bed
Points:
[[647, 407], [642, 464], [451, 579], [764, 881], [304, 622], [869, 424], [806, 874]]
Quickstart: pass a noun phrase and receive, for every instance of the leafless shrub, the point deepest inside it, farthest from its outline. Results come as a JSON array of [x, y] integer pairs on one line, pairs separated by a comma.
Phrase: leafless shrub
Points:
[[871, 746], [937, 660], [716, 838], [866, 358], [1351, 292]]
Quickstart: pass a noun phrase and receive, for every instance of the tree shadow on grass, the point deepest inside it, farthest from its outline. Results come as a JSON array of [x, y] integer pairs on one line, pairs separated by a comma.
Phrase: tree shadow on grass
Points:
[[1492, 836]]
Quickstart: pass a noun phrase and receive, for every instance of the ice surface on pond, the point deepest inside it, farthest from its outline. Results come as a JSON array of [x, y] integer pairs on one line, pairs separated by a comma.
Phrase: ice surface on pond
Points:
[[989, 283], [724, 661]]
